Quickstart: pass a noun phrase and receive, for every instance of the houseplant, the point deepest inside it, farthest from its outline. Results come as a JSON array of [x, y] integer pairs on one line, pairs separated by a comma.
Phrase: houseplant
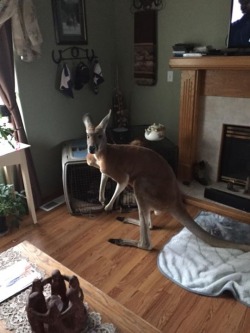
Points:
[[13, 206], [6, 134]]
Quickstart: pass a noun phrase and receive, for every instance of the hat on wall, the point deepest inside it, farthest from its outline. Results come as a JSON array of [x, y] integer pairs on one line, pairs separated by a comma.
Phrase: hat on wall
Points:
[[81, 76], [96, 75], [66, 82]]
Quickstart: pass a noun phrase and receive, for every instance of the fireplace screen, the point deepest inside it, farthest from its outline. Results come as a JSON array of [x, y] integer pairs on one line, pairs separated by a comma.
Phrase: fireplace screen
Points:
[[235, 154]]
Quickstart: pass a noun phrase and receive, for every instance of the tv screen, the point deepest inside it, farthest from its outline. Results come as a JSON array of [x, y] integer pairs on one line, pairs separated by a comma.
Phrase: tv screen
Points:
[[239, 28]]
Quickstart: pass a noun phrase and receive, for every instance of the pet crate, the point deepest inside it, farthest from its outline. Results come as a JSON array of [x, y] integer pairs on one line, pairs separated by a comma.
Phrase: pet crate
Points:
[[80, 181]]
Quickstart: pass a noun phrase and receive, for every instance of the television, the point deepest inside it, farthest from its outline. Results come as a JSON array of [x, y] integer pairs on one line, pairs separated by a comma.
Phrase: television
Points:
[[239, 27]]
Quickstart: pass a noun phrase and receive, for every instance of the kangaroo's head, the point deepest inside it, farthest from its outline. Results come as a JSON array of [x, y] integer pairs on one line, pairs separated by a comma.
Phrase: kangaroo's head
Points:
[[96, 136]]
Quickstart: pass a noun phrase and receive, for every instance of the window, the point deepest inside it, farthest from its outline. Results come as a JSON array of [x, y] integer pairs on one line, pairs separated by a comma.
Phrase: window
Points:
[[4, 113]]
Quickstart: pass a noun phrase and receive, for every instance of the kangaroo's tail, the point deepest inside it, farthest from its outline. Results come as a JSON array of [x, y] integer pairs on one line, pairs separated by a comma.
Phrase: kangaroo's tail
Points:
[[186, 220]]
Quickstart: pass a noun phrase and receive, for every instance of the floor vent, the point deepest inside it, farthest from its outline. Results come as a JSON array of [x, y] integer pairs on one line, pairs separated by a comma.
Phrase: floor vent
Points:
[[53, 203]]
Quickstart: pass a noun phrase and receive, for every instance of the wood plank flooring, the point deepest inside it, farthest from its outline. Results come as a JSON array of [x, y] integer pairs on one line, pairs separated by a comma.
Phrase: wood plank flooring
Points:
[[130, 275]]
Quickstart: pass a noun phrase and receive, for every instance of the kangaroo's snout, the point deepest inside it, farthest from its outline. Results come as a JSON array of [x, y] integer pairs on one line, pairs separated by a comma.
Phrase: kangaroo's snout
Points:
[[92, 149]]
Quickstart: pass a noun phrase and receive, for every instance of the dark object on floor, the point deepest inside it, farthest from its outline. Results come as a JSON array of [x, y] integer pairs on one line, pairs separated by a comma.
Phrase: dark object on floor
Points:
[[200, 173]]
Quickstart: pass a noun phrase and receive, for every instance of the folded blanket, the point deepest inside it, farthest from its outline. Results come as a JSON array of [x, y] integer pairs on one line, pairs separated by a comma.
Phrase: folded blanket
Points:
[[202, 269]]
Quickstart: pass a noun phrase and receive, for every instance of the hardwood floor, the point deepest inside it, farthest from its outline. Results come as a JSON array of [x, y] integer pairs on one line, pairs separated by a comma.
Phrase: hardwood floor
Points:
[[130, 275]]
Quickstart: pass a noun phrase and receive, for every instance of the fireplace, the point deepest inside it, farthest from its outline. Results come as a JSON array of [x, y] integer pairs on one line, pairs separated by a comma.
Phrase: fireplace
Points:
[[232, 186], [234, 164], [203, 80]]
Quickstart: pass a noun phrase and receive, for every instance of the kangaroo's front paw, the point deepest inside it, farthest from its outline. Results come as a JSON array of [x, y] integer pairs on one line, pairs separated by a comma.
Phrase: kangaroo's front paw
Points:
[[120, 219], [102, 200], [117, 241], [108, 208]]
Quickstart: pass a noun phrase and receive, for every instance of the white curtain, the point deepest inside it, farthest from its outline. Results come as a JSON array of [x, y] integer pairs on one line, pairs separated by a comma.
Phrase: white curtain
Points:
[[27, 37], [18, 26]]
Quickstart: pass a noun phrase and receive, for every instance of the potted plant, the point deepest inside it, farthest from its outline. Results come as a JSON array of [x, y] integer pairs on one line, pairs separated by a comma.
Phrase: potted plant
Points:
[[6, 134], [12, 205]]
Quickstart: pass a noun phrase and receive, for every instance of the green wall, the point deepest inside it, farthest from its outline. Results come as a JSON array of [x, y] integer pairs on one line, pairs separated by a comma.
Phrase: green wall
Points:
[[52, 118], [197, 21]]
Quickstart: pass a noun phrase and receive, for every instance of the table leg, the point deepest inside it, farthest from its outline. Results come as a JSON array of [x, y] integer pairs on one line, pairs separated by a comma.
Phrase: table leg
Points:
[[27, 185], [8, 170]]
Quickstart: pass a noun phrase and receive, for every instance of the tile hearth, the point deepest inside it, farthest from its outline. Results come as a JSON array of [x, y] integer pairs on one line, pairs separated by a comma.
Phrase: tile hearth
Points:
[[194, 194]]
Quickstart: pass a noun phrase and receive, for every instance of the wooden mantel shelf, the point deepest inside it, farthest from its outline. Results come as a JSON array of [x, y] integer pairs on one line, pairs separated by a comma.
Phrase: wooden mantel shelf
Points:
[[226, 76], [211, 62]]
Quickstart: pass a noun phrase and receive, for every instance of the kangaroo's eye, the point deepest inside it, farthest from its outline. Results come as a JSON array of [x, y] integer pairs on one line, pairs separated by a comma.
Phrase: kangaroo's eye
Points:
[[87, 136], [99, 136]]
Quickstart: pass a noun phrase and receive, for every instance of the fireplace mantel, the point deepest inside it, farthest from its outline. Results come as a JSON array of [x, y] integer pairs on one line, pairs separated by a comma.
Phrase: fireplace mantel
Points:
[[209, 62], [227, 76]]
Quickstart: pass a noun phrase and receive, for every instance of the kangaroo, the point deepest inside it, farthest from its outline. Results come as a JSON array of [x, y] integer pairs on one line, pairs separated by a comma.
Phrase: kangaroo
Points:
[[153, 180]]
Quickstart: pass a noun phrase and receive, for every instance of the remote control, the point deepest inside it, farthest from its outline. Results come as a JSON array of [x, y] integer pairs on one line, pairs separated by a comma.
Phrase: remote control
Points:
[[189, 55]]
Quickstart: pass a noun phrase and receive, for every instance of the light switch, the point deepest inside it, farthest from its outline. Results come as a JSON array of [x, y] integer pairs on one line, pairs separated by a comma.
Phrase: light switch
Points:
[[170, 76]]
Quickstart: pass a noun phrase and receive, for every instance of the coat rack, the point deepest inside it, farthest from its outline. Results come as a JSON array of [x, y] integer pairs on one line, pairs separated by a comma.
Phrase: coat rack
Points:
[[73, 53], [144, 5]]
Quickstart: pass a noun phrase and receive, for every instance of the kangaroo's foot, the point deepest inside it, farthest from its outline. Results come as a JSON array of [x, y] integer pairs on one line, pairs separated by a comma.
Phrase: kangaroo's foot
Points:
[[102, 201], [131, 221], [128, 220], [109, 207], [129, 242]]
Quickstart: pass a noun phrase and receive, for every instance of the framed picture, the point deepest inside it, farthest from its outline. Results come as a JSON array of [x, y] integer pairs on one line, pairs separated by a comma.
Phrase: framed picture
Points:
[[70, 21]]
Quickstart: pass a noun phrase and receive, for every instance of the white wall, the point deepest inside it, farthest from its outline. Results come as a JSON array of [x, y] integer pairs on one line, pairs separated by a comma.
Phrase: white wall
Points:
[[216, 112]]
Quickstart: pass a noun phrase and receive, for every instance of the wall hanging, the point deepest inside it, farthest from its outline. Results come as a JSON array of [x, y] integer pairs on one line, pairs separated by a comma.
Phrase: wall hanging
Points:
[[145, 57], [69, 21], [145, 40]]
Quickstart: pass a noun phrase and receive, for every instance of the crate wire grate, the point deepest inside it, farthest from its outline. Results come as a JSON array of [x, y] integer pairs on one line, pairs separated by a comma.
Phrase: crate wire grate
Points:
[[80, 181], [83, 185]]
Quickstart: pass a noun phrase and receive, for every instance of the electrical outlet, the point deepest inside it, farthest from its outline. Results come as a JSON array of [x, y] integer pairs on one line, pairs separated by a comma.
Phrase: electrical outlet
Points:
[[170, 76]]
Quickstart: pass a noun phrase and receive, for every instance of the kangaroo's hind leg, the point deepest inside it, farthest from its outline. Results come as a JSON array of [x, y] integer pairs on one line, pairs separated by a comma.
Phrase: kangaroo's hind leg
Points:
[[103, 182], [118, 190], [131, 220], [144, 241], [144, 222]]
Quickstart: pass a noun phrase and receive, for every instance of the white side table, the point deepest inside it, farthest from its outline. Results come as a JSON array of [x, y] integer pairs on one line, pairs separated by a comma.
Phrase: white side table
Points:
[[10, 156]]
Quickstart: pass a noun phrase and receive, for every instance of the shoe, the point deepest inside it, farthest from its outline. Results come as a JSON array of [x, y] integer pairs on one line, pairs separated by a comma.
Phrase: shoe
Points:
[[3, 233]]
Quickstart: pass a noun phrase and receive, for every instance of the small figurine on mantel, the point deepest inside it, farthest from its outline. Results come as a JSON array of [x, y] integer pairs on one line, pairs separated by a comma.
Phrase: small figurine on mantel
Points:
[[63, 311]]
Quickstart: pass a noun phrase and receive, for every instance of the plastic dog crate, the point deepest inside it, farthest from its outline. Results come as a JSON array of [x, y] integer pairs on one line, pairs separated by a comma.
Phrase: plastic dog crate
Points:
[[80, 181]]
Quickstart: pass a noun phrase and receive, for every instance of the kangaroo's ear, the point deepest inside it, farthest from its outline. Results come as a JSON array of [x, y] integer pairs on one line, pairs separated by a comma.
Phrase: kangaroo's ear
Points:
[[87, 120], [104, 123]]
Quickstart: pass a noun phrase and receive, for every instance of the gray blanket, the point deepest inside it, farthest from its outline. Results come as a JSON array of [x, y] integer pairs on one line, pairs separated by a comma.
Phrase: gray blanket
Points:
[[206, 270]]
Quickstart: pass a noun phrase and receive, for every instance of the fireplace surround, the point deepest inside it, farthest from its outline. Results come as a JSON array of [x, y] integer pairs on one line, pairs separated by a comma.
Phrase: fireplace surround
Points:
[[234, 163], [221, 76]]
